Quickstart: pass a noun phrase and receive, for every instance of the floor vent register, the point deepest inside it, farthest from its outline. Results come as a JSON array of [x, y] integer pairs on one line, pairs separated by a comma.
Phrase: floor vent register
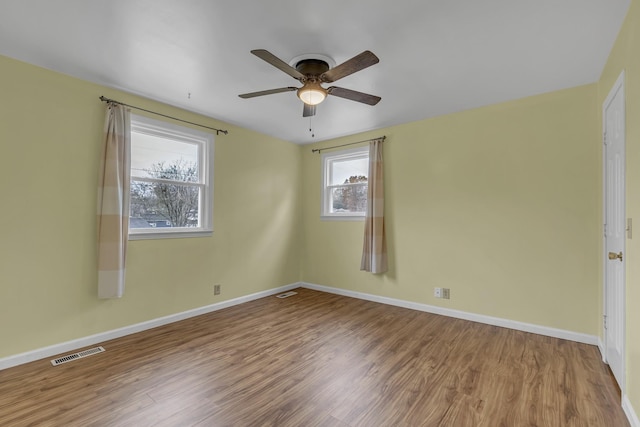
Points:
[[75, 356], [286, 294]]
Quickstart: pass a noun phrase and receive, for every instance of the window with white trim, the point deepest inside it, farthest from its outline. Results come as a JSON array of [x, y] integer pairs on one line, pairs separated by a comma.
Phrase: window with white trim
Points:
[[344, 184], [171, 192]]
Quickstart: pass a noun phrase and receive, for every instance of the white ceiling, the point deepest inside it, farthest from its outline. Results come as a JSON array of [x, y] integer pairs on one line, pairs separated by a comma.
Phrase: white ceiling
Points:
[[436, 56]]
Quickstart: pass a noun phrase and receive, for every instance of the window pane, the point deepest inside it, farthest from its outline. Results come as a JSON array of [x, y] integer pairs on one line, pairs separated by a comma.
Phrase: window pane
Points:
[[155, 204], [351, 170], [351, 198], [156, 157]]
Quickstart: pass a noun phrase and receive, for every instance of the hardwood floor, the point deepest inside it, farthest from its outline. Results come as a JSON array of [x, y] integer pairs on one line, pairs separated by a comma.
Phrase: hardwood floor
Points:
[[318, 359]]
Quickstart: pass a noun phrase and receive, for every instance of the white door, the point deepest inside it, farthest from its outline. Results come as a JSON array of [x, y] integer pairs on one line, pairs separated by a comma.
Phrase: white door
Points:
[[614, 230]]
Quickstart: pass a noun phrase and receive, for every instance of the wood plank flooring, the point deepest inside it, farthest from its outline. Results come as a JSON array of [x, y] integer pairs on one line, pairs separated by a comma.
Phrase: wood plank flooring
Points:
[[318, 359]]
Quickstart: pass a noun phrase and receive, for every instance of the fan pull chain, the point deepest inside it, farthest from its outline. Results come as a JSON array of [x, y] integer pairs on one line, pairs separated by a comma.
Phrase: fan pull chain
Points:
[[313, 135]]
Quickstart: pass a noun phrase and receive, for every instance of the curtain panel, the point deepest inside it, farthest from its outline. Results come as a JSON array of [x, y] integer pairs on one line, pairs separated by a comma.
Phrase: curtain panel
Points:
[[374, 251], [113, 202]]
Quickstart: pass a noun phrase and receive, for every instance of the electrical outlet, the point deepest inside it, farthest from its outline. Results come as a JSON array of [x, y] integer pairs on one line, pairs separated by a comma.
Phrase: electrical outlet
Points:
[[216, 289], [446, 293], [437, 292]]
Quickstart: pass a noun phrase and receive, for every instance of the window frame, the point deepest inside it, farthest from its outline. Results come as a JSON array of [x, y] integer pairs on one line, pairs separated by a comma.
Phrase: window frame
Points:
[[326, 187], [205, 144]]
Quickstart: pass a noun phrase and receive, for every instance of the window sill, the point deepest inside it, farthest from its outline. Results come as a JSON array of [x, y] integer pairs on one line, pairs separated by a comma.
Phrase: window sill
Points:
[[173, 234], [342, 218]]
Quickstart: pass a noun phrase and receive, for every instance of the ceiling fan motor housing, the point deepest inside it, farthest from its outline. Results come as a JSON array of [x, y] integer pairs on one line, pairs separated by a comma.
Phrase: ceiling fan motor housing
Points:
[[312, 67]]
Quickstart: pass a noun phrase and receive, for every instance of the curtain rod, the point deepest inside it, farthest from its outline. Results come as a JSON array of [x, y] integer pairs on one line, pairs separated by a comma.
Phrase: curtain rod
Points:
[[317, 150], [218, 131]]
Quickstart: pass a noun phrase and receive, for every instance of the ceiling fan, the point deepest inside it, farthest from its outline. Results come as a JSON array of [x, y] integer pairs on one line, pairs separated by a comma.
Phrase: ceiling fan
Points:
[[312, 73]]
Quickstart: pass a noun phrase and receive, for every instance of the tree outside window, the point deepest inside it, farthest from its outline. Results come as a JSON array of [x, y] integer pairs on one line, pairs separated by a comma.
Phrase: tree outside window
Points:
[[175, 204], [351, 198]]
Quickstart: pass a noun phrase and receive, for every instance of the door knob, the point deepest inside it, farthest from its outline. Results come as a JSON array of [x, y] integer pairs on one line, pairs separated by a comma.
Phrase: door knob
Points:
[[613, 255]]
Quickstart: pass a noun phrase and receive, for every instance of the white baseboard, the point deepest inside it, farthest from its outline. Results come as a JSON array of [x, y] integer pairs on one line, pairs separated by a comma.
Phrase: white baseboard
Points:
[[76, 344], [495, 321], [602, 350], [629, 412]]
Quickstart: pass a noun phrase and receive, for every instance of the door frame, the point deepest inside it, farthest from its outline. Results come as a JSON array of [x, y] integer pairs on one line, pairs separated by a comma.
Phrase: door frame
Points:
[[619, 85]]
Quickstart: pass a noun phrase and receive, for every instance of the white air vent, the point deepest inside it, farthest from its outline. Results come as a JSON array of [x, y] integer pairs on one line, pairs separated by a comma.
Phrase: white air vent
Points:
[[286, 294], [74, 356]]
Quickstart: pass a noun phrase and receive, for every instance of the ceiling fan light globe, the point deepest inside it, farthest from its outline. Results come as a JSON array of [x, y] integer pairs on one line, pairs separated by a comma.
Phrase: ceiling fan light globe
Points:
[[312, 95]]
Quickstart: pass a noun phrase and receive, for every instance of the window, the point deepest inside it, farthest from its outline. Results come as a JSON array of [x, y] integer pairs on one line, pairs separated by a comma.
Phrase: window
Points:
[[171, 180], [344, 184]]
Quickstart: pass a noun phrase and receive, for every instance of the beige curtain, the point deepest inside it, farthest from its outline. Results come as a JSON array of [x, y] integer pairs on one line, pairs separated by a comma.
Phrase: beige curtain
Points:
[[113, 202], [374, 251]]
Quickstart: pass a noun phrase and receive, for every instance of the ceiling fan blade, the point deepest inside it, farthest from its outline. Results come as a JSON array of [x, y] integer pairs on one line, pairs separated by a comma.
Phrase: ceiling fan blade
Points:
[[267, 92], [357, 63], [308, 110], [353, 95], [269, 57]]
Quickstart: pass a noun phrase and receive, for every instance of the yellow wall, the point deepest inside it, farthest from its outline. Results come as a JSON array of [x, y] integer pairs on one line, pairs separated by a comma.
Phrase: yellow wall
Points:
[[50, 135], [500, 204], [626, 56]]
